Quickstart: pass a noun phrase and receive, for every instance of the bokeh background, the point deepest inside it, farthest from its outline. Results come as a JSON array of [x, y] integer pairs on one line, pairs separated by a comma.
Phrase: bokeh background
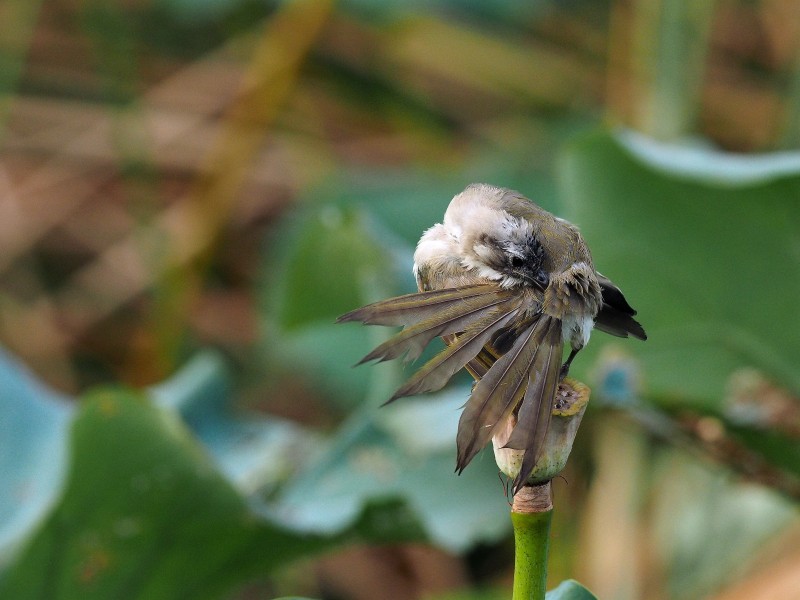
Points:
[[191, 192]]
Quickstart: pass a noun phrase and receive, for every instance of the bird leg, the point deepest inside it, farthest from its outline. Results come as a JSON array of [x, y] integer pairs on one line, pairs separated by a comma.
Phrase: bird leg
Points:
[[565, 366]]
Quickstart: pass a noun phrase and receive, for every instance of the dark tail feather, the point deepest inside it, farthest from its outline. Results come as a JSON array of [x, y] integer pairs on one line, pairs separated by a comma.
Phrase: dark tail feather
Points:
[[613, 296], [412, 308], [451, 319], [497, 394], [434, 374], [533, 419], [616, 315], [618, 323]]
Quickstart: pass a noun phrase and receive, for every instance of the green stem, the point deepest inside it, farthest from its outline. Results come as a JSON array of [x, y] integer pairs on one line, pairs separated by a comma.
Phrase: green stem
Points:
[[531, 519], [790, 138], [669, 48]]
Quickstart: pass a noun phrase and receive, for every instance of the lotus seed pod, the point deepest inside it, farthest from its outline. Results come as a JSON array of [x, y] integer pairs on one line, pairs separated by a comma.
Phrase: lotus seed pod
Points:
[[569, 405]]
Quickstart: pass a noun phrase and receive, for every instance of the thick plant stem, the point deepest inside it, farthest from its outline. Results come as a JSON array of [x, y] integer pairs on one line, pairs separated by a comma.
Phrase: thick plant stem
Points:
[[531, 515]]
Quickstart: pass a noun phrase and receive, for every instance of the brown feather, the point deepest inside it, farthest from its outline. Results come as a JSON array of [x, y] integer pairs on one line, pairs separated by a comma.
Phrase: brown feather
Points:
[[480, 365], [434, 374], [533, 419], [496, 395], [450, 319], [412, 308]]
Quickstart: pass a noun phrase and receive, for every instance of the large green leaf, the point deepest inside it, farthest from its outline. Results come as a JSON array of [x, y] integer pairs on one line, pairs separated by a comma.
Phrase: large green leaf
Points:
[[254, 452], [570, 590], [145, 515], [324, 262], [405, 452], [34, 426], [153, 508], [327, 257], [706, 249]]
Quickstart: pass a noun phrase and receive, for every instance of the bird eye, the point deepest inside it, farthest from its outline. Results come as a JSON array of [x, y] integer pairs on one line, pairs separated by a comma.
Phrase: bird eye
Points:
[[516, 262]]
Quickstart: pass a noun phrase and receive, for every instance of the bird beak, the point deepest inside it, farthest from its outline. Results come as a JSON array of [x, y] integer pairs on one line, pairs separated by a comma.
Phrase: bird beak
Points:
[[540, 280]]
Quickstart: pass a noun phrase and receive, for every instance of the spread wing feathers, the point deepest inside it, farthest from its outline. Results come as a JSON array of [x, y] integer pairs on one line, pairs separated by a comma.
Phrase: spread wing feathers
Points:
[[499, 392], [483, 361], [533, 419], [448, 320], [413, 308], [434, 374], [480, 365]]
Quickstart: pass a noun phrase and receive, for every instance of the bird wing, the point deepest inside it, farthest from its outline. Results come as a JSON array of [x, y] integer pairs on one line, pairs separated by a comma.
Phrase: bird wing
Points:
[[480, 365], [413, 308], [451, 318], [434, 374]]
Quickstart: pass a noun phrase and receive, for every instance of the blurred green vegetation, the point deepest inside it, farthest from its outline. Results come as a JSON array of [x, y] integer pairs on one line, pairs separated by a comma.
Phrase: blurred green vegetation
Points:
[[192, 192]]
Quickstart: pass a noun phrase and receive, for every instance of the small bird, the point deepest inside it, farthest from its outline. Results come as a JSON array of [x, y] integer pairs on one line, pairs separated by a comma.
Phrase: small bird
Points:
[[506, 285]]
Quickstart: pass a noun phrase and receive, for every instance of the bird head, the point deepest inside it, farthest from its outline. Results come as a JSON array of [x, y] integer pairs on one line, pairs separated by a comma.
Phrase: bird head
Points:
[[498, 245]]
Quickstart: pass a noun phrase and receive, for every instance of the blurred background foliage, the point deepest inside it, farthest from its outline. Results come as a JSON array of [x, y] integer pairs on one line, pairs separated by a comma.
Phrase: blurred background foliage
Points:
[[191, 192]]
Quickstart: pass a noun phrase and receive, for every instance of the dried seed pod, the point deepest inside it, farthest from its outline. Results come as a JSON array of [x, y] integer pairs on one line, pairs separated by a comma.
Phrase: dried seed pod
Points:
[[569, 405]]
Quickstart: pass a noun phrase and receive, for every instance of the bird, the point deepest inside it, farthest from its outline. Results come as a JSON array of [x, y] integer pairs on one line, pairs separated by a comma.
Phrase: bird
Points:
[[508, 286]]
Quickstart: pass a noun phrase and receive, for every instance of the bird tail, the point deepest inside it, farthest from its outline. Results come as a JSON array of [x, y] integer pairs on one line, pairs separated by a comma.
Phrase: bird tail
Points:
[[616, 315], [524, 381]]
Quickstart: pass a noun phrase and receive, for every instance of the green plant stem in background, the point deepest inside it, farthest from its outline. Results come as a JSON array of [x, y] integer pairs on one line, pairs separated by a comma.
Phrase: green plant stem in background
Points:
[[790, 138], [17, 21], [283, 45], [531, 516], [669, 48]]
